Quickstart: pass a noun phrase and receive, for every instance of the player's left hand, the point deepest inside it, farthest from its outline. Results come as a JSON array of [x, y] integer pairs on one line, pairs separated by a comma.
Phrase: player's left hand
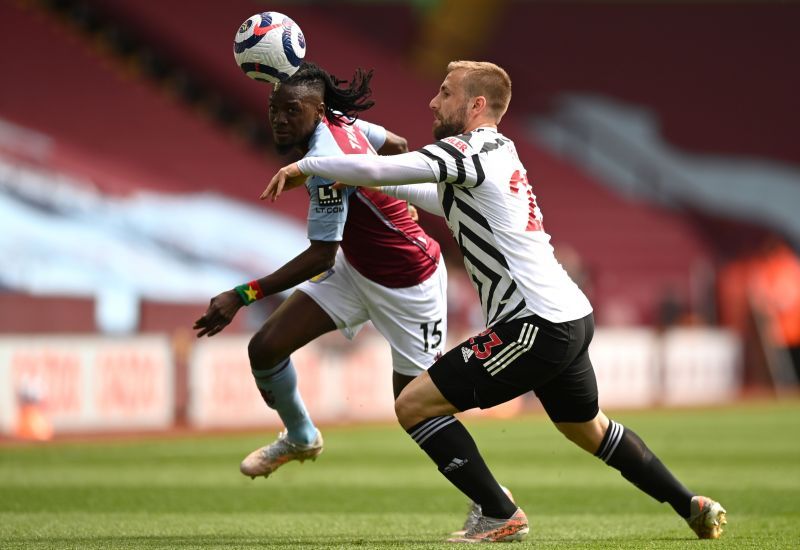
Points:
[[219, 314], [286, 178]]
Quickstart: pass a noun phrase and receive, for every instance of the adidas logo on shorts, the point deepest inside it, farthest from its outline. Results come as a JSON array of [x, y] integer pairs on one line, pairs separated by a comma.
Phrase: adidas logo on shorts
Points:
[[466, 353]]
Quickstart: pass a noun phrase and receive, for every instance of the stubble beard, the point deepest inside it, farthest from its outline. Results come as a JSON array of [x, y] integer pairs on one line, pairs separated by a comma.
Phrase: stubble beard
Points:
[[451, 126]]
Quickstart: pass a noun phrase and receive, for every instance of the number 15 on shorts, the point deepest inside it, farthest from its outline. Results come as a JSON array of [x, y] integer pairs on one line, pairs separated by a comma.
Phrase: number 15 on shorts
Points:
[[431, 335]]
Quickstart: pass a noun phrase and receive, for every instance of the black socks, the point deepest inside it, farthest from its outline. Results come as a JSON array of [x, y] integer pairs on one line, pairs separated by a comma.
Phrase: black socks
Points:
[[623, 450], [452, 448]]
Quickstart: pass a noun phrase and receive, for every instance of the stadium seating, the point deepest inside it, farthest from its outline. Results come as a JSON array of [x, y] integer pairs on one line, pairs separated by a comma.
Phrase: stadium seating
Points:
[[633, 251], [579, 211], [722, 78], [113, 126]]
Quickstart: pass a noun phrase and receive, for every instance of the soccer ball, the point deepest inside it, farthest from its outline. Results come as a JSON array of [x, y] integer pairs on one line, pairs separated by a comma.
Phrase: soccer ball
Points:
[[269, 46]]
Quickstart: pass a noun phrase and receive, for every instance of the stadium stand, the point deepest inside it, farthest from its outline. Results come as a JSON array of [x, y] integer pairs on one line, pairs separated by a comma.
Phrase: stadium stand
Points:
[[721, 77], [174, 116], [720, 80], [206, 47], [114, 127], [629, 247], [579, 210]]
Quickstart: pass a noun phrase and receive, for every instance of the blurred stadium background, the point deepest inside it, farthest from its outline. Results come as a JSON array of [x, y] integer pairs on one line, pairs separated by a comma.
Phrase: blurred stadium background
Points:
[[661, 139]]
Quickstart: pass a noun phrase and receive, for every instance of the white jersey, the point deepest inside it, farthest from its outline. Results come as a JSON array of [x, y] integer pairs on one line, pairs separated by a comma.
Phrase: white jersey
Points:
[[492, 212]]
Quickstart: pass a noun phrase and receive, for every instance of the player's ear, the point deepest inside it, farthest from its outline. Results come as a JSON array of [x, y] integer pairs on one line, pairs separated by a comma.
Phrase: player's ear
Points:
[[479, 104], [320, 111]]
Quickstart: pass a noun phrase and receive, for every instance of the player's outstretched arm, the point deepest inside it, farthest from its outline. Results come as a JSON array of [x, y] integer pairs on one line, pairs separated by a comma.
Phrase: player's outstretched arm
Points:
[[359, 170], [317, 258], [423, 195]]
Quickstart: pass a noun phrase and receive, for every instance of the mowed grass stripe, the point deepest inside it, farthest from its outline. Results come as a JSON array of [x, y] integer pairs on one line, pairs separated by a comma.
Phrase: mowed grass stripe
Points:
[[373, 488]]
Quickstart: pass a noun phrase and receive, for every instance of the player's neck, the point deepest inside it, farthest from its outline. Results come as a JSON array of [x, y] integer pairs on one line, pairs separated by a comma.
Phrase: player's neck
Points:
[[481, 123]]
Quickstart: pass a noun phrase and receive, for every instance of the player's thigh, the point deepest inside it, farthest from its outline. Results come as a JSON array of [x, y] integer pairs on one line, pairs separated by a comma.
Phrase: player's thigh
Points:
[[297, 321], [502, 362], [337, 294], [413, 320], [571, 396]]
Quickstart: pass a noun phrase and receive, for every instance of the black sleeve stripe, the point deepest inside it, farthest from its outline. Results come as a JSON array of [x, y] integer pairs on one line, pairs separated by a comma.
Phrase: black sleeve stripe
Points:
[[450, 150], [479, 174], [447, 200], [462, 173], [441, 162]]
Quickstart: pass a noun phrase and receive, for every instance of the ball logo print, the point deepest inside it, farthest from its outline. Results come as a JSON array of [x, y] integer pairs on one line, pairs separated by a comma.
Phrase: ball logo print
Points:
[[246, 25], [269, 46]]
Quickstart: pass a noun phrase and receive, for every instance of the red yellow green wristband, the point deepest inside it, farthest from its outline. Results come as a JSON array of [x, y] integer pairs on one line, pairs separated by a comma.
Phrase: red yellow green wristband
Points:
[[249, 292]]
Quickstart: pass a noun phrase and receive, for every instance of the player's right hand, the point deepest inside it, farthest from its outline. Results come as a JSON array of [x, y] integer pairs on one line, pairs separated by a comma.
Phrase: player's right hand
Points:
[[287, 178], [221, 311]]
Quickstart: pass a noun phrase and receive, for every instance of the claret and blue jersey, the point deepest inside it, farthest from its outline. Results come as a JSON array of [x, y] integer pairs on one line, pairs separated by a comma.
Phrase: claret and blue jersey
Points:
[[377, 235]]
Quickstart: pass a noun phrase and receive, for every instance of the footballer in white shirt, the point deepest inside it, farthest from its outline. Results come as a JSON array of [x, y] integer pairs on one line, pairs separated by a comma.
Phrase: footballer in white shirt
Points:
[[539, 323]]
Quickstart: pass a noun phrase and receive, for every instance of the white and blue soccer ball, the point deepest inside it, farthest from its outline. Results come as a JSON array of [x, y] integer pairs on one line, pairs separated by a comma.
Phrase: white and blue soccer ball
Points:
[[269, 46]]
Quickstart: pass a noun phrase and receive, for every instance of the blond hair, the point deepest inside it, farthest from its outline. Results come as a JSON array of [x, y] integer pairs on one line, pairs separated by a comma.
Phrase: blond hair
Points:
[[482, 78]]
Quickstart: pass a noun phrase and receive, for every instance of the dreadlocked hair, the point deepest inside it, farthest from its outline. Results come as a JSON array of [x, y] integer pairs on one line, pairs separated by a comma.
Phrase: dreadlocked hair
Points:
[[342, 104]]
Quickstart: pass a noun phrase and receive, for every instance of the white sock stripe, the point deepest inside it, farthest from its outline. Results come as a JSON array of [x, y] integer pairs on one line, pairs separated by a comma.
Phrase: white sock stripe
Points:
[[621, 431], [610, 431], [523, 337], [507, 361], [615, 433], [612, 441], [431, 424], [450, 420]]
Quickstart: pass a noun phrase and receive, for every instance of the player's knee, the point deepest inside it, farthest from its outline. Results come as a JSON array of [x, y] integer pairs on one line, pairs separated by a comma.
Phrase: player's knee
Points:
[[263, 350], [406, 410], [569, 431], [588, 434]]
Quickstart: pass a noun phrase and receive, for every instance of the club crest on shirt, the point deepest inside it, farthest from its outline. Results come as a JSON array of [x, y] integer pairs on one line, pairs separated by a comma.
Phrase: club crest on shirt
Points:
[[328, 196]]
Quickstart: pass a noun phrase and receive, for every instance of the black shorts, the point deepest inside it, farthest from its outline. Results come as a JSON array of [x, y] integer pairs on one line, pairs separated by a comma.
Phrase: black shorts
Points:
[[528, 354]]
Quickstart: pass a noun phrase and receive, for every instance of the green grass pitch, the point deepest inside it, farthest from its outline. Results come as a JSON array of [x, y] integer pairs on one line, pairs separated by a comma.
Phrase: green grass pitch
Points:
[[373, 488]]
